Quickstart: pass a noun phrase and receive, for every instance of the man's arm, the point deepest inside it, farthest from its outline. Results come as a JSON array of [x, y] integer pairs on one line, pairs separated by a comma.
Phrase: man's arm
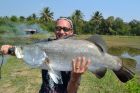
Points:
[[80, 66]]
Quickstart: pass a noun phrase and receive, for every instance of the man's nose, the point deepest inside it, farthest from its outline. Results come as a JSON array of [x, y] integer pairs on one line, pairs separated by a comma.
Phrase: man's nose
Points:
[[61, 31]]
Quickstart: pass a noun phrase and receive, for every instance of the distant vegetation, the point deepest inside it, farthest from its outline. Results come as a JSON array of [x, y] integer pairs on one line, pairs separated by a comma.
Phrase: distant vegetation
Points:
[[96, 25]]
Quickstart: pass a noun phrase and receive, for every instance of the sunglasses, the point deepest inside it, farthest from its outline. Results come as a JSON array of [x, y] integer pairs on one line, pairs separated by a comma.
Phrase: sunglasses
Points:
[[65, 29]]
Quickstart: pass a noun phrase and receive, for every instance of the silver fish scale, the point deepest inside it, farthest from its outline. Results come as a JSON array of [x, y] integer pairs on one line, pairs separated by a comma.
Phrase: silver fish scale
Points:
[[61, 52]]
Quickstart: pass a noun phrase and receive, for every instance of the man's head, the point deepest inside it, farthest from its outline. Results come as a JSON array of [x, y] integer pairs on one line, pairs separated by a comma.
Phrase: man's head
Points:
[[64, 27]]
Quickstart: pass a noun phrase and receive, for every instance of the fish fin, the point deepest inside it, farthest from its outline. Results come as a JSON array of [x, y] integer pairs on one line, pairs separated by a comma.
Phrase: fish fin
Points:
[[100, 73], [55, 75], [97, 40], [124, 74]]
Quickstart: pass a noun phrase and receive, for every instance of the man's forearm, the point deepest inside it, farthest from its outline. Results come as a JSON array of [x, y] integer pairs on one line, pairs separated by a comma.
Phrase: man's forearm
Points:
[[73, 86]]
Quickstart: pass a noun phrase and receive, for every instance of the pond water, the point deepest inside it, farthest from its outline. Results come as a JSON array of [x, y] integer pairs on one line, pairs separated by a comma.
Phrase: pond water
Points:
[[131, 56], [136, 58]]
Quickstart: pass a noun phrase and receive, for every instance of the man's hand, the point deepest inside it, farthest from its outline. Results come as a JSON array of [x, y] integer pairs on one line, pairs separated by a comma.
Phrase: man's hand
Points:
[[79, 66], [4, 49]]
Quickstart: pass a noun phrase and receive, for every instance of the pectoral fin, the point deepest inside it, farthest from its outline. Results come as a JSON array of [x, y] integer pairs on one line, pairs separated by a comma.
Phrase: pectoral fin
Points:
[[100, 72], [55, 75]]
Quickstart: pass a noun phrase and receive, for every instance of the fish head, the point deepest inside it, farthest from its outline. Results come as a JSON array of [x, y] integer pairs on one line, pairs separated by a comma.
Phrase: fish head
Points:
[[33, 56]]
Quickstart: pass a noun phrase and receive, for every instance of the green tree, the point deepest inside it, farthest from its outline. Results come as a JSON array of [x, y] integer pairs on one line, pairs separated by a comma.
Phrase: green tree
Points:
[[96, 20], [78, 22], [106, 26], [32, 18], [21, 18], [135, 27], [134, 23], [118, 26], [46, 15], [14, 19]]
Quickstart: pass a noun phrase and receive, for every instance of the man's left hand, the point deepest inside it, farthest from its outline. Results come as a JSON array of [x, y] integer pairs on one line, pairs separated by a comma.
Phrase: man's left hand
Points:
[[79, 66]]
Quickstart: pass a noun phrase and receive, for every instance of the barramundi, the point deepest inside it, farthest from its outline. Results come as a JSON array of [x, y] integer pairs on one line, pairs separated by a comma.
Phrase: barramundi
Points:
[[57, 55]]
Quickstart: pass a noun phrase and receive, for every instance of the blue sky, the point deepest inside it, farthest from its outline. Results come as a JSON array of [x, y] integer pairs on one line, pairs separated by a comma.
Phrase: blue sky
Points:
[[125, 9]]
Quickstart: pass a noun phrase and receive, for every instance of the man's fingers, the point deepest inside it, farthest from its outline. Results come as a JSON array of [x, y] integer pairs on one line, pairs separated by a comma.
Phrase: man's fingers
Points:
[[73, 65], [83, 64], [87, 64], [78, 64]]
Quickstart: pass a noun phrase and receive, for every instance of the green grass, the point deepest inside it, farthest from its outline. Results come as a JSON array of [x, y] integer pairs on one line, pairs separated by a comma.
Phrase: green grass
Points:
[[117, 41], [19, 78], [125, 41], [108, 84]]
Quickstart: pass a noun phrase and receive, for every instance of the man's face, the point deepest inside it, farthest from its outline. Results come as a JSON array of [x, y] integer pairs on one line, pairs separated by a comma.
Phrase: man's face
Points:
[[63, 28]]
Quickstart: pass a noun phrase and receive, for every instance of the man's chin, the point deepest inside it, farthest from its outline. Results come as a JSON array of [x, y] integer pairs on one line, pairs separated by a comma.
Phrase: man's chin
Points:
[[60, 36]]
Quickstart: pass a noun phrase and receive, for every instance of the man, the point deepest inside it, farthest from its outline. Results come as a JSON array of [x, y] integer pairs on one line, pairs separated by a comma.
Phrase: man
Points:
[[71, 80]]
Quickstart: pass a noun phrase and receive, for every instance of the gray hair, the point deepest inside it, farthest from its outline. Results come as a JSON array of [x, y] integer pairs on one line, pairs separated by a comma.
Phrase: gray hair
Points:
[[67, 19]]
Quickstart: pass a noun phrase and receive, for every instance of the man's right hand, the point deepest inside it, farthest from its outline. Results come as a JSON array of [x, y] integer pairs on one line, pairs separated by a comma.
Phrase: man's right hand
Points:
[[4, 49]]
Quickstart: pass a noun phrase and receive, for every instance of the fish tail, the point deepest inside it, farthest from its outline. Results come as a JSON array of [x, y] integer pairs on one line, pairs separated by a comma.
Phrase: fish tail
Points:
[[124, 74]]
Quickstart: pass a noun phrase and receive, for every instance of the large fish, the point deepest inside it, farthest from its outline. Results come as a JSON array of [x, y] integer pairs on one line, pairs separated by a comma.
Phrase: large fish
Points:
[[57, 56]]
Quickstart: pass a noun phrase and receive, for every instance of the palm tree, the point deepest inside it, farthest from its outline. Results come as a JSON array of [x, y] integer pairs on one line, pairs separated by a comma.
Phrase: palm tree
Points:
[[108, 24], [77, 15], [77, 18], [96, 20], [34, 16], [46, 15]]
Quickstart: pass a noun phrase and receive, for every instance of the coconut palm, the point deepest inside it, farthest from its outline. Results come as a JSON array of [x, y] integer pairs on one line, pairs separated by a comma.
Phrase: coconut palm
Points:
[[46, 15], [106, 26], [96, 20], [77, 18]]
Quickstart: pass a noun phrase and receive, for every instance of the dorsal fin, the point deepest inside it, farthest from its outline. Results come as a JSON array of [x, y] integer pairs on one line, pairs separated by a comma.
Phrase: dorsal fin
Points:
[[96, 39]]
